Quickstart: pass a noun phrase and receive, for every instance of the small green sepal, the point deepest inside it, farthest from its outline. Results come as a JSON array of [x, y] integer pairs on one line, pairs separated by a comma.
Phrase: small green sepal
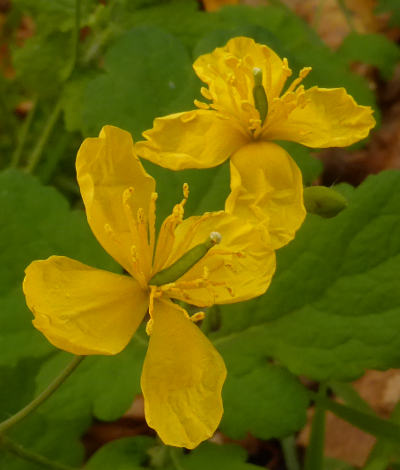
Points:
[[323, 201]]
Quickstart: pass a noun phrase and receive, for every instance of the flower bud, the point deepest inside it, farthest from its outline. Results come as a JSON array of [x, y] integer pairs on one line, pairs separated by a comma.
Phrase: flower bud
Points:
[[323, 201]]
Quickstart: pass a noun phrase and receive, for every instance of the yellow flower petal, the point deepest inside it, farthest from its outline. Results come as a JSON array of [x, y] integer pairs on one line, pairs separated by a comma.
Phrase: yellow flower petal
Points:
[[228, 72], [182, 379], [318, 118], [194, 139], [81, 309], [266, 187], [106, 168], [237, 269]]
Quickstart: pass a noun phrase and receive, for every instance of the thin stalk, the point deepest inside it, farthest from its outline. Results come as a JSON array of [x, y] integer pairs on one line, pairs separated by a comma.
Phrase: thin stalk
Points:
[[18, 450], [30, 407], [318, 14], [347, 14], [369, 423], [37, 151], [16, 156], [288, 445], [384, 450], [76, 33], [315, 450], [174, 458]]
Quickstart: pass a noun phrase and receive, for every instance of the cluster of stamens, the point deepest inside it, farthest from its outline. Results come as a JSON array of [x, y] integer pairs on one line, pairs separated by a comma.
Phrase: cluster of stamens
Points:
[[242, 108], [149, 256]]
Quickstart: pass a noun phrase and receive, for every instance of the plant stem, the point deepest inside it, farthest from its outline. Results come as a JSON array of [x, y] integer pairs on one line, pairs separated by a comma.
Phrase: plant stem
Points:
[[347, 14], [174, 458], [8, 423], [75, 45], [288, 445], [318, 14], [16, 156], [16, 449], [368, 422], [315, 450], [34, 157], [37, 151]]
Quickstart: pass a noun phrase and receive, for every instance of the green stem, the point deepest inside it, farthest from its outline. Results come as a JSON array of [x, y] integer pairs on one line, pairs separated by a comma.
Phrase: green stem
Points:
[[318, 14], [16, 156], [315, 450], [347, 14], [174, 458], [8, 423], [37, 151], [34, 157], [367, 422], [18, 450], [384, 450], [288, 445], [76, 34]]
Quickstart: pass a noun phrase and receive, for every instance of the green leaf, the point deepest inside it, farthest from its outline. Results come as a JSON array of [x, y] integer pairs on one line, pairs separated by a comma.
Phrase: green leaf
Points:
[[41, 64], [372, 49], [72, 100], [391, 7], [268, 401], [216, 457], [129, 453], [52, 16], [148, 73], [39, 224], [333, 308]]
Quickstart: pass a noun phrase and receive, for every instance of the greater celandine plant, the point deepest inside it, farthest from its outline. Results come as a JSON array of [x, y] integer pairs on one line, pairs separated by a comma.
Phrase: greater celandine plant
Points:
[[216, 258], [249, 107]]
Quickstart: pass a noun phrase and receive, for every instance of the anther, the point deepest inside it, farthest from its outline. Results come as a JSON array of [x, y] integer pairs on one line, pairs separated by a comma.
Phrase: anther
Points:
[[198, 316], [185, 190]]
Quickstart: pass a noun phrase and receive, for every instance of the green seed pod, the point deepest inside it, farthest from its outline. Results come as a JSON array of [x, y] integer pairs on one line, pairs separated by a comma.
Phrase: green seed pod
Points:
[[323, 201], [187, 261], [259, 95]]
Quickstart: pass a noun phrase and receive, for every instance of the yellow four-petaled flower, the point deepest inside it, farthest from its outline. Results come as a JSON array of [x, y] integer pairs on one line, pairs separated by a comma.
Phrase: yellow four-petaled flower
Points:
[[85, 310], [266, 184]]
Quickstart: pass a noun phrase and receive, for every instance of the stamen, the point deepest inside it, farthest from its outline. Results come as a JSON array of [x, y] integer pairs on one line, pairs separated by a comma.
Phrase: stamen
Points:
[[201, 104], [152, 221], [149, 327], [138, 273], [143, 240], [206, 93], [166, 236], [188, 117], [198, 316], [302, 75], [185, 190]]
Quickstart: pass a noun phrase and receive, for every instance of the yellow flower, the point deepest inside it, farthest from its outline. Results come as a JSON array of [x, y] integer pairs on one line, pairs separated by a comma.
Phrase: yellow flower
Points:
[[85, 310], [266, 184]]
